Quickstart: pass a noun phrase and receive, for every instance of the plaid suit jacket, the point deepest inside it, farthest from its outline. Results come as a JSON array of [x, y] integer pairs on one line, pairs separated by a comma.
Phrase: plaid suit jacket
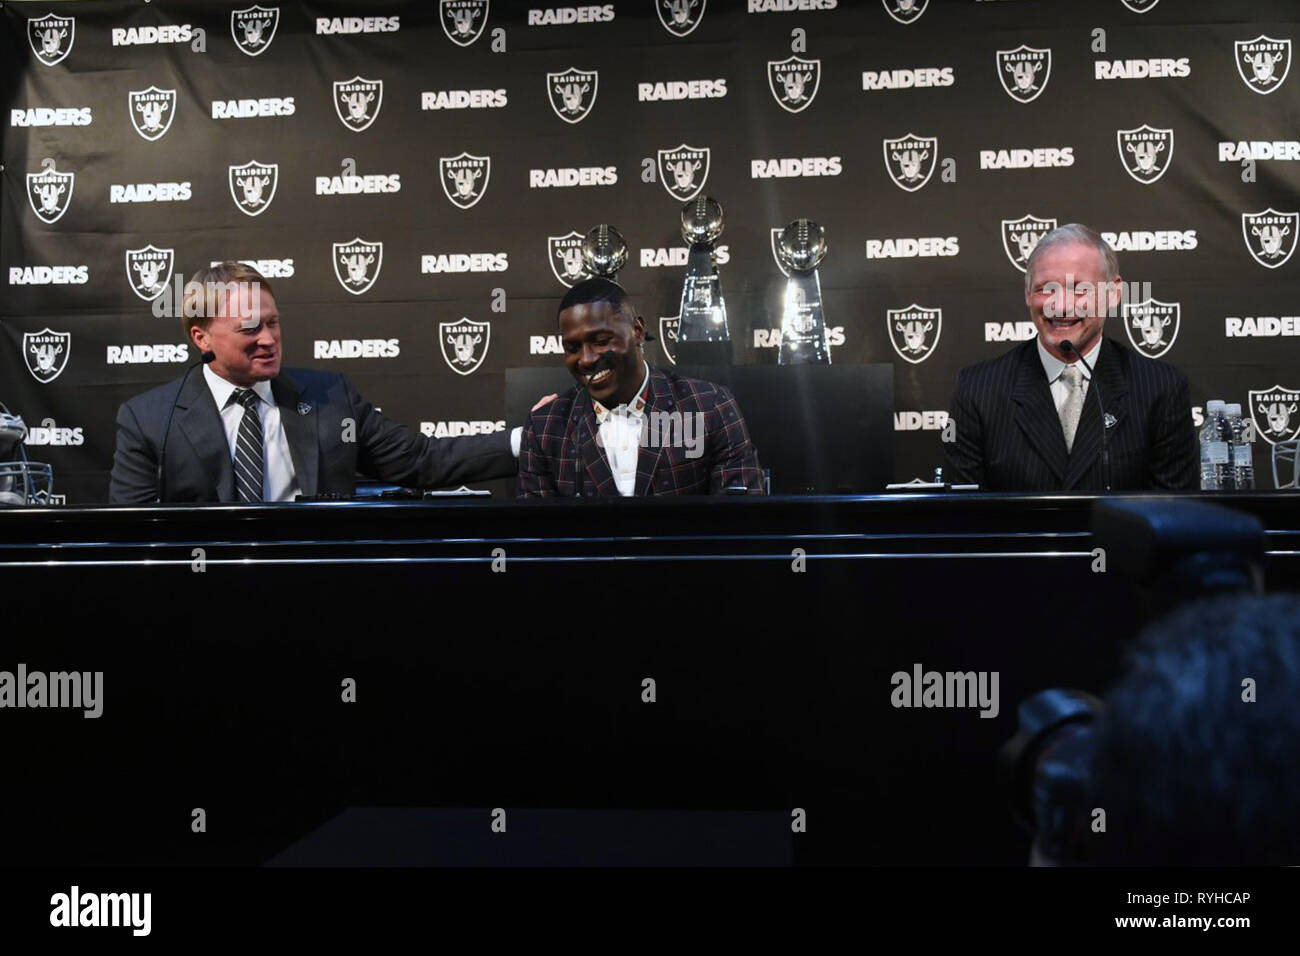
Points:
[[559, 456], [1009, 437]]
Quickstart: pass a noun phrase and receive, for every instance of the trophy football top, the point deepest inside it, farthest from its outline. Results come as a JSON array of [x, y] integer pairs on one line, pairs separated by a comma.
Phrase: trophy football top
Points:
[[701, 220], [802, 245], [604, 250]]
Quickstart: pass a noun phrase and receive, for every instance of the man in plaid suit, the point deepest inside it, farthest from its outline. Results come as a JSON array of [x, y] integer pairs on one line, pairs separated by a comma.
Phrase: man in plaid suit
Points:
[[626, 428]]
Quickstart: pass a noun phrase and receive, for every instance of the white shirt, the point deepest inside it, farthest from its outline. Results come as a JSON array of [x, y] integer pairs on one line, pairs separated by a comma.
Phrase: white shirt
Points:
[[1054, 366], [619, 434], [279, 483]]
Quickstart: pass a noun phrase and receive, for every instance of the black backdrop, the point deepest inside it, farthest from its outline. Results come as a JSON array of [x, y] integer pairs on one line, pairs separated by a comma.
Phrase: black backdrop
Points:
[[1053, 150]]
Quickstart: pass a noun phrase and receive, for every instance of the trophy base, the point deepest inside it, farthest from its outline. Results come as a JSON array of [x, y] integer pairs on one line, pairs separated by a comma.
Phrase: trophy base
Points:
[[703, 353]]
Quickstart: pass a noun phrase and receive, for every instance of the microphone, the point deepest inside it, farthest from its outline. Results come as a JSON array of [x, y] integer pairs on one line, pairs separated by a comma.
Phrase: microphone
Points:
[[1067, 347], [204, 359]]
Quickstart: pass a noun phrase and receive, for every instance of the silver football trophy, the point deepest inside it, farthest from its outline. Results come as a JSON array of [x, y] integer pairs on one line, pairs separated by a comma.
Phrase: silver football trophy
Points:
[[801, 248], [704, 311], [604, 251]]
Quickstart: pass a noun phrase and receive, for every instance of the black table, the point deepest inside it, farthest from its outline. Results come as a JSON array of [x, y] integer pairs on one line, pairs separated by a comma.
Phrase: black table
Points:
[[499, 651]]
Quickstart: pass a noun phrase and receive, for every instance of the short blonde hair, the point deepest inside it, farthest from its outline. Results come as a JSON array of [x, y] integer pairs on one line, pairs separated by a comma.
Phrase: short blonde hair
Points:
[[209, 289]]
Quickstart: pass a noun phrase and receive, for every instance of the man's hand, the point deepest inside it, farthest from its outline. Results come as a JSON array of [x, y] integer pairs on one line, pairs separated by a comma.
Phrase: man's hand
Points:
[[544, 399]]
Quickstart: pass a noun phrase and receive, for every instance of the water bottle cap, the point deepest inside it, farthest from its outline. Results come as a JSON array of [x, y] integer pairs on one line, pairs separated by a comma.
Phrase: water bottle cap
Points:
[[1234, 409]]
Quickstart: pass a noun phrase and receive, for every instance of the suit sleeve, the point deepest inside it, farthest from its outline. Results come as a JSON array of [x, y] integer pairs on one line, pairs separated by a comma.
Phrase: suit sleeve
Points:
[[535, 478], [394, 453], [734, 457], [1174, 457], [134, 479], [964, 456]]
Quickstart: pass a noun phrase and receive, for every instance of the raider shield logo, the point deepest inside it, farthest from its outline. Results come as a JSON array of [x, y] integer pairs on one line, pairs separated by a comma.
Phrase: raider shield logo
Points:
[[914, 331], [149, 270], [464, 344], [1024, 72], [254, 28]]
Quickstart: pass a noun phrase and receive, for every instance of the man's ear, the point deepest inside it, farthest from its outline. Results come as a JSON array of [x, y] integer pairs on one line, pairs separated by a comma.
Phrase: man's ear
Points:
[[638, 330], [199, 336], [1114, 293]]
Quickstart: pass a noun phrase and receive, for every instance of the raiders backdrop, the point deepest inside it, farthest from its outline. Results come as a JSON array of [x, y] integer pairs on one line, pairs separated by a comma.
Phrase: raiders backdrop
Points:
[[414, 178]]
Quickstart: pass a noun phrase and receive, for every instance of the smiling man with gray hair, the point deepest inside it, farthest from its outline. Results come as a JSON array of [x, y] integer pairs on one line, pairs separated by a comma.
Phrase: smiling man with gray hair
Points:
[[1033, 419]]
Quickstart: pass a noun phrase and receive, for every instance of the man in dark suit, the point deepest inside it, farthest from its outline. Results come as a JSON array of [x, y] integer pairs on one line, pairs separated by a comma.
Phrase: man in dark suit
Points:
[[1026, 421], [627, 428], [245, 430]]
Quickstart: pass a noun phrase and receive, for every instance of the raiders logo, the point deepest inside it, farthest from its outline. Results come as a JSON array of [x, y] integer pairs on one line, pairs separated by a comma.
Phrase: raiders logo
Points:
[[51, 37], [357, 264], [668, 327], [463, 20], [1140, 6], [683, 170], [1263, 62], [572, 93], [464, 344], [565, 255], [464, 178], [1024, 72], [1145, 152], [1270, 235], [46, 353], [148, 270], [151, 111], [794, 82], [680, 17], [50, 192], [905, 11], [1019, 236], [357, 102], [252, 186], [914, 331], [776, 244], [1152, 325], [1276, 413], [253, 28], [910, 160]]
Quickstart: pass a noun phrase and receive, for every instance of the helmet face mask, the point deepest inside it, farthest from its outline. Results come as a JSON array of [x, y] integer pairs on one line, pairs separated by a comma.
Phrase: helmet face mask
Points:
[[25, 483]]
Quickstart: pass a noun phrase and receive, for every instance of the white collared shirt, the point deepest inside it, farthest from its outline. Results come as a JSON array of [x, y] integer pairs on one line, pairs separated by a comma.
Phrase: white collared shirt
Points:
[[279, 483], [1054, 366], [619, 432]]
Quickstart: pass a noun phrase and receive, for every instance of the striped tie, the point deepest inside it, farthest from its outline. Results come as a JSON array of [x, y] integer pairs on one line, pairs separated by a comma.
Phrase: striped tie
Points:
[[1072, 408], [248, 447]]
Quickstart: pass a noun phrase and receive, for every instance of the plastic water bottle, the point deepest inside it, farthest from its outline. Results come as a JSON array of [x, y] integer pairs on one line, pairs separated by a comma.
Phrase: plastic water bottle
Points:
[[1214, 448], [1240, 451]]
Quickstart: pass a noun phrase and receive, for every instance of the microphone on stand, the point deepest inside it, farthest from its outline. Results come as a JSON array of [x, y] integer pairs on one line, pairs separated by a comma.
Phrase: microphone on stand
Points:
[[1067, 347], [204, 359]]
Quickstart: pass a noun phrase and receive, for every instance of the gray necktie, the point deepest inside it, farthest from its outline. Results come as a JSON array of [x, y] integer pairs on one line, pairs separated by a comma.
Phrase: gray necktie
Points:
[[248, 447], [1072, 376]]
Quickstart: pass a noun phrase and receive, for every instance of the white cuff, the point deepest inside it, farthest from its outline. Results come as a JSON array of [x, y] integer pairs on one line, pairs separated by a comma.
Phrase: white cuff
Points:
[[516, 439]]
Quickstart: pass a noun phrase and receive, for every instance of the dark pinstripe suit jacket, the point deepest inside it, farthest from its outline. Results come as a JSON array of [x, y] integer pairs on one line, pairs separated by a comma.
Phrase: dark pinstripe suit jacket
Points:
[[1009, 437], [559, 456]]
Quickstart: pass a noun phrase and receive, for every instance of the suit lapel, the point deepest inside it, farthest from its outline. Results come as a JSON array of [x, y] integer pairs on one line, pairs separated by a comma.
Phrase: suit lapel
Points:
[[299, 431], [591, 457], [1114, 391], [1036, 412], [200, 421], [649, 455]]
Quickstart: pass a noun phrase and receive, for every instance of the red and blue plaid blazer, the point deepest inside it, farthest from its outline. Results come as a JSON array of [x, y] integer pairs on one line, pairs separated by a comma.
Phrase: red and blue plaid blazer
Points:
[[559, 456]]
